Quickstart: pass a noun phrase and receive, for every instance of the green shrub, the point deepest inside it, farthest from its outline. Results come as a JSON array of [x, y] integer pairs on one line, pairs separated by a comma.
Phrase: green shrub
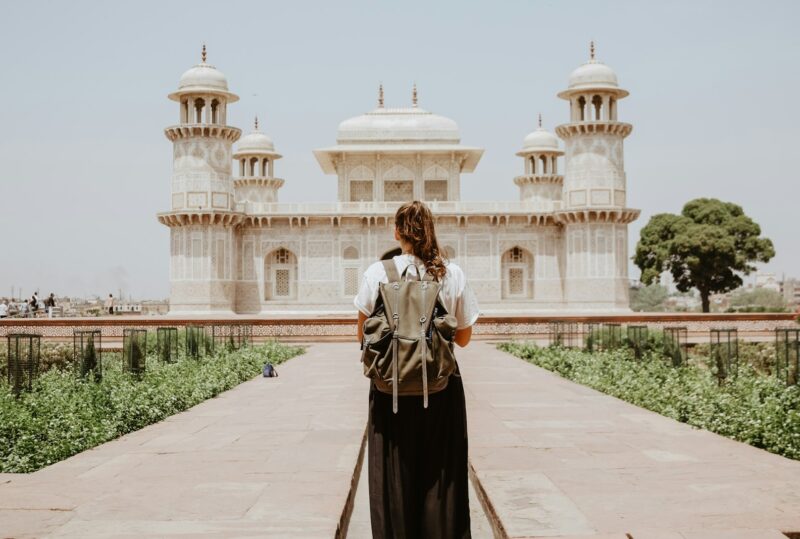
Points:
[[752, 408], [64, 415]]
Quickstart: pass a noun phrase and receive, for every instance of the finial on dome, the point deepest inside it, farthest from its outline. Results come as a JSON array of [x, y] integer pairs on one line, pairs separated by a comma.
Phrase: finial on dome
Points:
[[380, 96], [414, 95], [203, 55], [540, 120], [591, 50], [255, 123]]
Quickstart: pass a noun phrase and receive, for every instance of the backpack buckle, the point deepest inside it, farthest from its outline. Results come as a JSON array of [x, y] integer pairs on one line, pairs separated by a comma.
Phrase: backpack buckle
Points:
[[396, 286], [422, 319]]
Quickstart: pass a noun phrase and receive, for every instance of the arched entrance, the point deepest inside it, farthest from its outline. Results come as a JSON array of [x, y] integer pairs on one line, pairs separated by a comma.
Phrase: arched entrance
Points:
[[517, 274], [280, 275]]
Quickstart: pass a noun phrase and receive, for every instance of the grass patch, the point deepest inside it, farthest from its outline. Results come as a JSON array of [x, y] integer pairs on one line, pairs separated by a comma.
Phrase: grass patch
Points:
[[752, 408], [64, 414]]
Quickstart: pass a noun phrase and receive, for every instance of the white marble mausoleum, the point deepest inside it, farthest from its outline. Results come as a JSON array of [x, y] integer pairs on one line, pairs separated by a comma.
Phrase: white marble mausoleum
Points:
[[234, 248]]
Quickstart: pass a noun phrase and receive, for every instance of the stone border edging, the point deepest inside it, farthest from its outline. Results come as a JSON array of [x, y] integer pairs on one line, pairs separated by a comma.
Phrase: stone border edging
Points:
[[487, 505], [347, 510]]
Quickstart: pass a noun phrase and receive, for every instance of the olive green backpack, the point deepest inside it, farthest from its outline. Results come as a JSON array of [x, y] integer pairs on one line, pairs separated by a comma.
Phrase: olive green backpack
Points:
[[408, 337]]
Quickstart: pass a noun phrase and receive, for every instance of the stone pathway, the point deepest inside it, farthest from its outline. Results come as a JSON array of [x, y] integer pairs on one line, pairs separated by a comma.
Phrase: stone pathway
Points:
[[275, 458], [272, 457], [559, 460], [360, 525]]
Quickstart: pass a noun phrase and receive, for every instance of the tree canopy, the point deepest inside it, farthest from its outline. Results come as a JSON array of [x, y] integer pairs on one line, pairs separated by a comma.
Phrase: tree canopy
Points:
[[708, 247]]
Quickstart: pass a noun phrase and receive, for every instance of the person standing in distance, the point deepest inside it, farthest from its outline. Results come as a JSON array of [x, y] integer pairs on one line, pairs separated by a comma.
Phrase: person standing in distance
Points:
[[110, 304], [418, 475]]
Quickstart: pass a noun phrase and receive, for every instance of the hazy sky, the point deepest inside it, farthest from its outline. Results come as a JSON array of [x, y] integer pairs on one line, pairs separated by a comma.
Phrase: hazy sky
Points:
[[85, 166]]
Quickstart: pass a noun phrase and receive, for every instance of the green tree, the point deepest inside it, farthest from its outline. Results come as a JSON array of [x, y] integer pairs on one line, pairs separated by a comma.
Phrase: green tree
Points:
[[649, 299], [708, 247]]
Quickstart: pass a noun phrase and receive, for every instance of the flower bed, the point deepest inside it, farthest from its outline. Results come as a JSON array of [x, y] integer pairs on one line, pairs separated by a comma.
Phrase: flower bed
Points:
[[752, 408], [64, 414]]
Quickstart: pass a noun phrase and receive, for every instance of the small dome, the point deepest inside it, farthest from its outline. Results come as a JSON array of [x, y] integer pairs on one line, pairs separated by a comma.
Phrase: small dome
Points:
[[593, 74], [255, 142], [203, 77], [540, 139], [395, 125]]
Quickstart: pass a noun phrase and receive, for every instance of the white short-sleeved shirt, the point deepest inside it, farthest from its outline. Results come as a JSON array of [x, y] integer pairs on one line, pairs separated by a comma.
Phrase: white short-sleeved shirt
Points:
[[455, 294]]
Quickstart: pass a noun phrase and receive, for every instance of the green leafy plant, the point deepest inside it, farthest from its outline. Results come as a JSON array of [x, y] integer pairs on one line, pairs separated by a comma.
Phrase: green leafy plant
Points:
[[63, 416]]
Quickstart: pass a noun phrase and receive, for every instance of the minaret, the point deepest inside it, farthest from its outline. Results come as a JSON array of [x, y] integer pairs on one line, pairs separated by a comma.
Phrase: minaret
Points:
[[256, 183], [594, 214], [541, 183], [203, 215]]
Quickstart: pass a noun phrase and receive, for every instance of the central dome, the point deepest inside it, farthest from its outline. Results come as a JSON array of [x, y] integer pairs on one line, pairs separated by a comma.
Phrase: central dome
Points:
[[398, 125]]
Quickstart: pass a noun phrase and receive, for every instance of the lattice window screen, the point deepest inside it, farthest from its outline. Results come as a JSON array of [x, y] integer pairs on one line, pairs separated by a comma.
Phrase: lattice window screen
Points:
[[282, 285], [398, 191], [360, 190], [436, 190], [516, 281], [350, 281]]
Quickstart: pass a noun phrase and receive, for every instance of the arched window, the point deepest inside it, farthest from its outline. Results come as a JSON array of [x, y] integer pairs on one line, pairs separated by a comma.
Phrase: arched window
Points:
[[253, 168], [215, 111], [517, 274], [581, 108], [544, 170], [597, 107], [199, 103], [350, 253], [280, 275]]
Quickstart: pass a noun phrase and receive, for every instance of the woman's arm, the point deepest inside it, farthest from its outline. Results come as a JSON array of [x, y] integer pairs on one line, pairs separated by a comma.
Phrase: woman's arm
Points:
[[360, 330], [463, 336]]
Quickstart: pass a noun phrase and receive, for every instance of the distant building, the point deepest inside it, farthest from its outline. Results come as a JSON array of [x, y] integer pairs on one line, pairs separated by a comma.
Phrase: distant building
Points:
[[235, 249], [766, 280]]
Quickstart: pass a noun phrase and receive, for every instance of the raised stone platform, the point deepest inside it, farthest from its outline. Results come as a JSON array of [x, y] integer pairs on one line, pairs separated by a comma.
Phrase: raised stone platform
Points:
[[273, 457], [558, 459], [279, 458]]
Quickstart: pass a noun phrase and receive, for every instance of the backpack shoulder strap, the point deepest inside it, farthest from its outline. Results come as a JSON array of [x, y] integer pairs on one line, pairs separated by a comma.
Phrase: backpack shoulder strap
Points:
[[391, 270]]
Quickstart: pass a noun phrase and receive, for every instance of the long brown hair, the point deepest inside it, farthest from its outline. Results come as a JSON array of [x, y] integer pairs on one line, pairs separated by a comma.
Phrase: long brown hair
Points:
[[414, 223]]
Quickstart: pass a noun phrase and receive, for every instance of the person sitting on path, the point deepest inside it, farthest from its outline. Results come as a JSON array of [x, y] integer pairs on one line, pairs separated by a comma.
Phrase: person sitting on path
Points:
[[418, 474]]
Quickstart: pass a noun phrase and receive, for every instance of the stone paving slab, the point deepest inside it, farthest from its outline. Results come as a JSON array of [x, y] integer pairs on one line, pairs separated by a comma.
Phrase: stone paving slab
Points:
[[558, 459], [271, 457], [360, 527]]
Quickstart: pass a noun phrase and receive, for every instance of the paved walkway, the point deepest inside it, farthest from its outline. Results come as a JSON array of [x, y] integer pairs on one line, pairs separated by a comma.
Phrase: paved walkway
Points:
[[558, 459], [275, 457], [272, 457]]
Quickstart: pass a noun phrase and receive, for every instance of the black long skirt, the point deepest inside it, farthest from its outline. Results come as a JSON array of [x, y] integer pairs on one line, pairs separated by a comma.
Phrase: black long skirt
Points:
[[418, 476]]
